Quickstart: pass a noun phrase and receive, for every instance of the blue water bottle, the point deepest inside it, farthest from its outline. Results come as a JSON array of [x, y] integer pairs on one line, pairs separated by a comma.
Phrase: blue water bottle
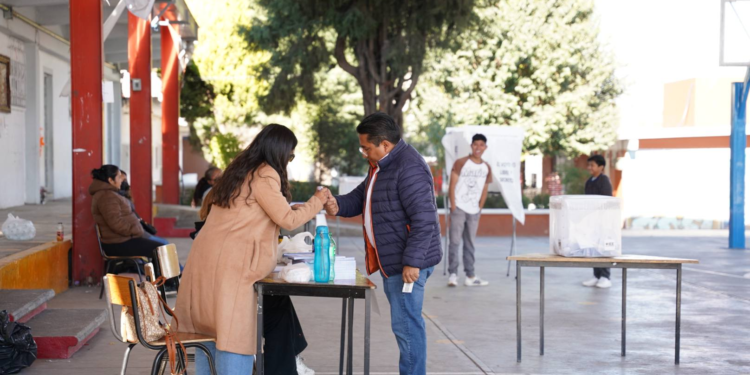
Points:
[[322, 250]]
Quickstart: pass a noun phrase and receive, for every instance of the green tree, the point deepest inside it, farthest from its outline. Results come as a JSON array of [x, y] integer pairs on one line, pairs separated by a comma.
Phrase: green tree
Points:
[[196, 101], [535, 64], [382, 44], [223, 148], [225, 63]]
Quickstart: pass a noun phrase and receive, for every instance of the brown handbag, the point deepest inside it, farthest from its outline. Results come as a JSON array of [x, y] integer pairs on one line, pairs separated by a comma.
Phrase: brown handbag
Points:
[[150, 309]]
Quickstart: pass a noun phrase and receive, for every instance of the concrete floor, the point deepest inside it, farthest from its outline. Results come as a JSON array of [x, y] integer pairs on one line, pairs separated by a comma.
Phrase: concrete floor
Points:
[[472, 330]]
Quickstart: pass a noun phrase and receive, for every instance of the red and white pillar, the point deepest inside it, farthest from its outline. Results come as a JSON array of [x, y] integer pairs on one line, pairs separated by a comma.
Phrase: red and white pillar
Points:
[[139, 66], [170, 113], [86, 62]]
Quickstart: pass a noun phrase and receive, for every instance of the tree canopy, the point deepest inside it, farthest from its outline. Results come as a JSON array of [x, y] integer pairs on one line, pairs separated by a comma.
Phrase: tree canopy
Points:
[[382, 44], [535, 64]]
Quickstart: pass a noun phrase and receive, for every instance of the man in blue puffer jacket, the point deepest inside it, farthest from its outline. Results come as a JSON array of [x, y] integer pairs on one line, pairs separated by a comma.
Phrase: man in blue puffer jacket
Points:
[[401, 229]]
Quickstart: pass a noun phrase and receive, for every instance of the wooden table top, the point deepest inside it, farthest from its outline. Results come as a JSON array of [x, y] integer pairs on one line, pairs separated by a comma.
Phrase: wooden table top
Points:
[[361, 282], [546, 257]]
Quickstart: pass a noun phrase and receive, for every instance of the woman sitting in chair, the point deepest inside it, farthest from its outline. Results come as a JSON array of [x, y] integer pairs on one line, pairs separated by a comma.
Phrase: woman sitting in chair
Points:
[[120, 228], [237, 247]]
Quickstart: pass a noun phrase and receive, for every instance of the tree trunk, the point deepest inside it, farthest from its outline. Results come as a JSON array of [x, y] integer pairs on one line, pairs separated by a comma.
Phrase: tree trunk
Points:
[[382, 90]]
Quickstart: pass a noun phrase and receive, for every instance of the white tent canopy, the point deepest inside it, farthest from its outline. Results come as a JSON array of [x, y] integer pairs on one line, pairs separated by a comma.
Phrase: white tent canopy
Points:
[[504, 145]]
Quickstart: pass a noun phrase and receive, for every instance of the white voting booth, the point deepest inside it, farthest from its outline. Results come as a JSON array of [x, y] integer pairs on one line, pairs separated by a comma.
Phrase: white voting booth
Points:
[[504, 146]]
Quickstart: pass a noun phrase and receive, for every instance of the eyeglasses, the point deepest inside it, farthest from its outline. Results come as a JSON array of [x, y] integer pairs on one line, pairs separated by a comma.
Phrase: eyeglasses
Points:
[[291, 157], [363, 151]]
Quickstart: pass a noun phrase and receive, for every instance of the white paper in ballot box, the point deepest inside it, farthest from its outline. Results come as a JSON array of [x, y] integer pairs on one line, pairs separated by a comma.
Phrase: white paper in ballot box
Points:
[[585, 226]]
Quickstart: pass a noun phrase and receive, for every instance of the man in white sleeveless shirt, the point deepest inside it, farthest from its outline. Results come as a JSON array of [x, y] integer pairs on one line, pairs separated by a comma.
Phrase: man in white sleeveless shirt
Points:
[[469, 181]]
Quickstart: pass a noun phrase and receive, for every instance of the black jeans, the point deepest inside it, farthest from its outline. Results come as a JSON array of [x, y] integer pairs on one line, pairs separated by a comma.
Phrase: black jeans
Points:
[[283, 334], [139, 246], [601, 272]]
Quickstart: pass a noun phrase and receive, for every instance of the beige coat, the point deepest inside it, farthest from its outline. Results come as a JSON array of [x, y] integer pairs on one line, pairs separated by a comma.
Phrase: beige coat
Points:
[[234, 249]]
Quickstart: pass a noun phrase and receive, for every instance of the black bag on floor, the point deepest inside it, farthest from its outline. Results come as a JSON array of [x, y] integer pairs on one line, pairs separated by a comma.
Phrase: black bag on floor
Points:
[[17, 347]]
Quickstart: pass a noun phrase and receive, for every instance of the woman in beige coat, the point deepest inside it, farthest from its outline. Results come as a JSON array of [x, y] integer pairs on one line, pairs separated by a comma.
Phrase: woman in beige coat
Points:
[[237, 247]]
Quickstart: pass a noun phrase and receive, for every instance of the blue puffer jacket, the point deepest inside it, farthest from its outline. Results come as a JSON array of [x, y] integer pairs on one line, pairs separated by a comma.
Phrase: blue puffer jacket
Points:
[[404, 213]]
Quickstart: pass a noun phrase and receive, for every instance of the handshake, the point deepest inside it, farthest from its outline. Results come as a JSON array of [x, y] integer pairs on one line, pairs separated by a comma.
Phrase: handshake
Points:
[[328, 200]]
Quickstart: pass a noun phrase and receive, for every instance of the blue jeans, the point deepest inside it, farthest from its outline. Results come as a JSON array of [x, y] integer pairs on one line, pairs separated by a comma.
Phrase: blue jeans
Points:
[[407, 322], [226, 363]]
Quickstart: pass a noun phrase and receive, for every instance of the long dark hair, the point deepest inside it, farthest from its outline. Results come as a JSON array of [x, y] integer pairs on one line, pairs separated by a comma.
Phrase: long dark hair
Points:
[[202, 186], [104, 173], [273, 146]]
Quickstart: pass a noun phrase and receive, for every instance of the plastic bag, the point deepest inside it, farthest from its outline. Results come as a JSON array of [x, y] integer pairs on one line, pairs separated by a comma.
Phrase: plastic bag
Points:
[[298, 243], [294, 245], [17, 347], [17, 229], [296, 273]]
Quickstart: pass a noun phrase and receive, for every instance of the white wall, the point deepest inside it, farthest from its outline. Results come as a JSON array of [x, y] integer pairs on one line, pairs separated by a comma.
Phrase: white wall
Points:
[[692, 183], [12, 147], [62, 133], [125, 138], [156, 149], [21, 159], [12, 135]]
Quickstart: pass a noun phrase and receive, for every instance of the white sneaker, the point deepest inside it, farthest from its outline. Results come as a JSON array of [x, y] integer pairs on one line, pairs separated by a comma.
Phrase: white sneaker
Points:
[[302, 368], [453, 280], [475, 281], [591, 282], [604, 283]]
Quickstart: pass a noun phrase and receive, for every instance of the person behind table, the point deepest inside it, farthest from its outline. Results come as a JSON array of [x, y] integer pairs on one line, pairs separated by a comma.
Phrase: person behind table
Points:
[[598, 184], [401, 229], [205, 184], [120, 228], [235, 248], [470, 179]]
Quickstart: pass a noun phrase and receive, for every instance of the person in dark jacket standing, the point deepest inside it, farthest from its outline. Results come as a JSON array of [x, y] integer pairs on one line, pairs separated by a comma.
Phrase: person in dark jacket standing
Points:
[[598, 184], [401, 230]]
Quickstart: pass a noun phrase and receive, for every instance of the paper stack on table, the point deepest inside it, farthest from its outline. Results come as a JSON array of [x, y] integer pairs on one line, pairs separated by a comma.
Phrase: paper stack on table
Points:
[[345, 268], [300, 257]]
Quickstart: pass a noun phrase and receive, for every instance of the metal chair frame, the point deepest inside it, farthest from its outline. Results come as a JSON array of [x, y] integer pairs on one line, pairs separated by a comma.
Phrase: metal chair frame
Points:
[[110, 260], [161, 349]]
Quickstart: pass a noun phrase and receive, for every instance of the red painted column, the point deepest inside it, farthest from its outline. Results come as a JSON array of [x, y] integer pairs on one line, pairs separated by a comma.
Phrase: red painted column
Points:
[[86, 62], [139, 65], [170, 113]]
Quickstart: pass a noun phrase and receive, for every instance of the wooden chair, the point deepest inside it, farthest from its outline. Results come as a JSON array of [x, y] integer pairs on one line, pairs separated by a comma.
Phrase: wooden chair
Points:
[[121, 291], [110, 261], [148, 269]]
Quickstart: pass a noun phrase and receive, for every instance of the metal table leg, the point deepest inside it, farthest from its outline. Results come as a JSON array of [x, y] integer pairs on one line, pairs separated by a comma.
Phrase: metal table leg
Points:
[[343, 335], [541, 310], [349, 356], [624, 305], [368, 301], [677, 327], [518, 311], [259, 347]]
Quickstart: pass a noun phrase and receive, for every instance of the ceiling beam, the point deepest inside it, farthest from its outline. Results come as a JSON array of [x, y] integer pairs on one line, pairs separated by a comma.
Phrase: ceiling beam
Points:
[[122, 57], [34, 3], [123, 47]]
